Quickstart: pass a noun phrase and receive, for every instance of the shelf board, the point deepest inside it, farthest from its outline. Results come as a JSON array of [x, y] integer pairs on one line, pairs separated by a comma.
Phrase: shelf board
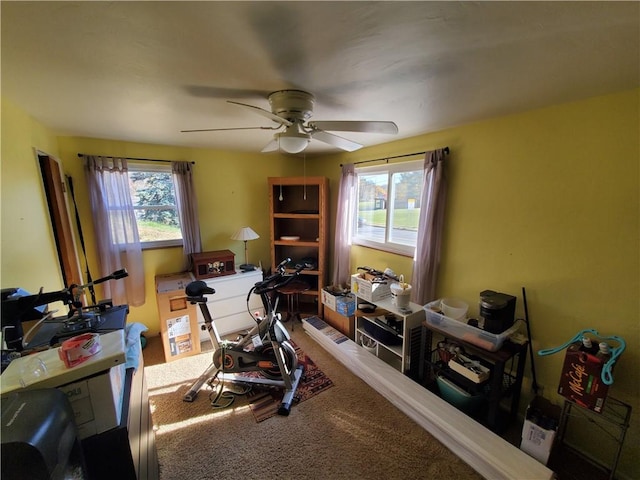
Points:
[[375, 313], [395, 349], [296, 215], [297, 243], [391, 331], [304, 272], [311, 292]]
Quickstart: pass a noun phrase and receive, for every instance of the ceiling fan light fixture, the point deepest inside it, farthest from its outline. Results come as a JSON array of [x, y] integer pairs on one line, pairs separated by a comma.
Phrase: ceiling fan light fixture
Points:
[[292, 141], [291, 109]]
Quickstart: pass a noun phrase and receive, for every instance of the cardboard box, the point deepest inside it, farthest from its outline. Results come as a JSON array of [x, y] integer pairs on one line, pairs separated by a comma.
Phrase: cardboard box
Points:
[[343, 304], [365, 289], [342, 323], [580, 380], [329, 297], [539, 429], [97, 401], [346, 306], [178, 318]]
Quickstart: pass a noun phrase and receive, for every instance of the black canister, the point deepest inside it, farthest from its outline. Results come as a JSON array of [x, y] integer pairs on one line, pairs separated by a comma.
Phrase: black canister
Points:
[[498, 310]]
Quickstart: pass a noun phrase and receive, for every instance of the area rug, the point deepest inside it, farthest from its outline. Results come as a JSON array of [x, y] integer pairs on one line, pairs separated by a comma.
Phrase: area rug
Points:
[[264, 403]]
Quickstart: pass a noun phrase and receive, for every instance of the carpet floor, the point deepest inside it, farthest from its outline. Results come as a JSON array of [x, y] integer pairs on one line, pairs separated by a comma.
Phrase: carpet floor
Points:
[[349, 431], [264, 402]]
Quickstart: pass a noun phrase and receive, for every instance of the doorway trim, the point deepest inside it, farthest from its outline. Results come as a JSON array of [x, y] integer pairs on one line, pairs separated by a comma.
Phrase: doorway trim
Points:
[[55, 191]]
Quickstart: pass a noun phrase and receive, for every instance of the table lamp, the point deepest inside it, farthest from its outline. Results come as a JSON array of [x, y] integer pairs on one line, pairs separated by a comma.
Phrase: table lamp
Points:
[[245, 234]]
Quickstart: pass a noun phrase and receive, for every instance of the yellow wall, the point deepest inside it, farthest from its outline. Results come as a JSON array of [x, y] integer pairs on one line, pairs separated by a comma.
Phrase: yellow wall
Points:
[[27, 236], [547, 200], [227, 185]]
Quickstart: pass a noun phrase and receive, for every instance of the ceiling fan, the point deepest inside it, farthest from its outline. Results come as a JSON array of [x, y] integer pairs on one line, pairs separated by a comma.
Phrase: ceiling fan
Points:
[[291, 110]]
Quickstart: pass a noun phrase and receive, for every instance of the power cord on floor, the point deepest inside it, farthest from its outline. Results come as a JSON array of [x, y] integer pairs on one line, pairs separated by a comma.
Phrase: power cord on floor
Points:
[[222, 397]]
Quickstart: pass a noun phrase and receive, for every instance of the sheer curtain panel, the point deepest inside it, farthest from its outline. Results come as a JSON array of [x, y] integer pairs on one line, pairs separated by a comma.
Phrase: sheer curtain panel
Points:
[[344, 222], [187, 210], [115, 227], [427, 257]]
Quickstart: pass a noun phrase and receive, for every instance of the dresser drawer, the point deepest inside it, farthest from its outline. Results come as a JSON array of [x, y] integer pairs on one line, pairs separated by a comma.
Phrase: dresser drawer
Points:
[[233, 285], [228, 306], [230, 315], [234, 323]]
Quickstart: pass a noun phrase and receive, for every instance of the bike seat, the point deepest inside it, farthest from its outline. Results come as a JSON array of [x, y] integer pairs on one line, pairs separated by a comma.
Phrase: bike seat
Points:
[[197, 290]]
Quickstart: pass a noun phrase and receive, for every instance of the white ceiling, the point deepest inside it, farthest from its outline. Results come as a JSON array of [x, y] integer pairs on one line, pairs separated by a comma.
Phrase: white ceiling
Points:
[[143, 71]]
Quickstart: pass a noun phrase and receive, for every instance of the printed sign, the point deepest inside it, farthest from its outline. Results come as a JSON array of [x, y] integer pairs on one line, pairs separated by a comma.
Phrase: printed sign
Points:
[[179, 334]]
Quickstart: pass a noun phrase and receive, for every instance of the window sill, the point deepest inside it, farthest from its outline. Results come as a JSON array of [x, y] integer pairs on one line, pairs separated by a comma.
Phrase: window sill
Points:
[[161, 244], [395, 249]]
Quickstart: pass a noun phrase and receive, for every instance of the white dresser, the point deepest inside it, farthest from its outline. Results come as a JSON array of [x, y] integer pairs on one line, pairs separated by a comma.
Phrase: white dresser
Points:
[[228, 306]]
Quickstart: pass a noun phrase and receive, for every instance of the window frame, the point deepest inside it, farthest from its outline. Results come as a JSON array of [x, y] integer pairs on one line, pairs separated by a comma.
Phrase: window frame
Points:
[[156, 167], [391, 169]]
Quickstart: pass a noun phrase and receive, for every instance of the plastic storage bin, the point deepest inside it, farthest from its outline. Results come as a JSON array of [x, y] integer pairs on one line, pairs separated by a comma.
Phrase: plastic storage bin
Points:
[[459, 397], [462, 331]]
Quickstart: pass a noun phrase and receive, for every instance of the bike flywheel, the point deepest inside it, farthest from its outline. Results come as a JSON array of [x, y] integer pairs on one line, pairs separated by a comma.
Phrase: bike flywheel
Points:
[[290, 360]]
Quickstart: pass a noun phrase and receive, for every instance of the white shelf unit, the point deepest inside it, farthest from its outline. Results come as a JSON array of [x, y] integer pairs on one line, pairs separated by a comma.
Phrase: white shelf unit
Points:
[[391, 346], [228, 306]]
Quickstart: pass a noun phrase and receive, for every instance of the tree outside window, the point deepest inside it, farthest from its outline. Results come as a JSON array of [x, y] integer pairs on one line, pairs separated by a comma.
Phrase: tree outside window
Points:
[[154, 203]]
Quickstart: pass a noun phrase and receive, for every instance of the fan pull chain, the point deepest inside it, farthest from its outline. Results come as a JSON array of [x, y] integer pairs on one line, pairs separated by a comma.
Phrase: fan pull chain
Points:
[[304, 175]]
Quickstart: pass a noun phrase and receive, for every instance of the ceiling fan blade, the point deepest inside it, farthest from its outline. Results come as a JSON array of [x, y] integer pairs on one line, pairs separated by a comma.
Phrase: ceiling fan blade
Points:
[[201, 91], [356, 126], [335, 140], [272, 146], [224, 129], [264, 113]]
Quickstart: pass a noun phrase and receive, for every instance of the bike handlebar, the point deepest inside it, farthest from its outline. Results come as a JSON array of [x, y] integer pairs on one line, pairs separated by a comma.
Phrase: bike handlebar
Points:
[[272, 283], [197, 290]]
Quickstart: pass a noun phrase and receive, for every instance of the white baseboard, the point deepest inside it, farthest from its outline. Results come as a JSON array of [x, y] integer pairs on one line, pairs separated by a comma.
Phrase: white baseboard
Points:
[[484, 451]]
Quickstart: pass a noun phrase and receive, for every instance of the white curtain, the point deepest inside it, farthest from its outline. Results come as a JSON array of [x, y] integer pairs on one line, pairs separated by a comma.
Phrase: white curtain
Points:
[[427, 259], [344, 222], [187, 210], [115, 228]]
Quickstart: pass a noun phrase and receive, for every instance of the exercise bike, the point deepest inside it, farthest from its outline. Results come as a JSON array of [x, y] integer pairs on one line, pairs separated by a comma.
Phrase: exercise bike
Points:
[[266, 348]]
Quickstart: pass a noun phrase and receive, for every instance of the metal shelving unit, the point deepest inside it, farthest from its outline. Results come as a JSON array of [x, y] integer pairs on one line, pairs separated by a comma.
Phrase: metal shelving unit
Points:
[[506, 365], [613, 422]]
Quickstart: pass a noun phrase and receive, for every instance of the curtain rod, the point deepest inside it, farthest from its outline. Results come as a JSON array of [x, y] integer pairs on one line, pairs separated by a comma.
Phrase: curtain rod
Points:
[[133, 158], [445, 149]]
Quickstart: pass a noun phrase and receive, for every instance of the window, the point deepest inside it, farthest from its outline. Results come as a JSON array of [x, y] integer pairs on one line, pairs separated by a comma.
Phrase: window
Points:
[[154, 203], [388, 206]]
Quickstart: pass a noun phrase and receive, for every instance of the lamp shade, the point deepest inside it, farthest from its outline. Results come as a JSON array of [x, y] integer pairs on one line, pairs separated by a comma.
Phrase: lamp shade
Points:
[[245, 233]]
